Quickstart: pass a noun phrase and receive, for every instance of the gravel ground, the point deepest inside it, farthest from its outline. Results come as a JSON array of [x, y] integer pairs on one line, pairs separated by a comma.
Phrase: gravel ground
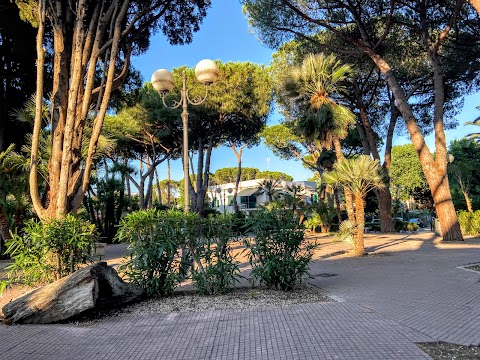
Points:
[[240, 298], [447, 351]]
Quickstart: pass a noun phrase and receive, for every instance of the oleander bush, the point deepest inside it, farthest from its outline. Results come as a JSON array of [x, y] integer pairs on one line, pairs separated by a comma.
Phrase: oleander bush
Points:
[[162, 243], [152, 261], [209, 241], [278, 252]]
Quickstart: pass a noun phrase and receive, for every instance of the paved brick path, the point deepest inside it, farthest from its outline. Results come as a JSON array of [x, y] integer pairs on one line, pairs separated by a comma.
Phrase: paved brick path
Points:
[[412, 291]]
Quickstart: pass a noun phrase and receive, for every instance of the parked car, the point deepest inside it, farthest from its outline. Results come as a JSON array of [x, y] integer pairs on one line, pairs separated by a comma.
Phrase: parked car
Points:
[[416, 221]]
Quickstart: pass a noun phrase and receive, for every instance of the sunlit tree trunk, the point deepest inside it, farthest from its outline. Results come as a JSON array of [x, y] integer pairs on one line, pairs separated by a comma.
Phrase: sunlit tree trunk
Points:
[[359, 246], [435, 169]]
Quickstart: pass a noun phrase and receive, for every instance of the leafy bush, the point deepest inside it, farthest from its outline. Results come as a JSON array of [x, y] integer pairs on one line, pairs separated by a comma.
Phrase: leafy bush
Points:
[[469, 222], [400, 225], [312, 223], [279, 254], [155, 238], [412, 227], [209, 240], [158, 238], [50, 250]]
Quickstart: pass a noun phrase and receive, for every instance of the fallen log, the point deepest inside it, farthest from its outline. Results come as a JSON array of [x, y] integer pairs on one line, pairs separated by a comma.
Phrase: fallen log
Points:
[[94, 286]]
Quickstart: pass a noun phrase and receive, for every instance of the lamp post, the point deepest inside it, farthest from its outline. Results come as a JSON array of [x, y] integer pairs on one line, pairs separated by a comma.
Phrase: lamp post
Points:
[[219, 190], [206, 72]]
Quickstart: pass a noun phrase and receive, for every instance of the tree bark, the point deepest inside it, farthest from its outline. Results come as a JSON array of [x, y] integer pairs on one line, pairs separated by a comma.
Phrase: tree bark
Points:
[[467, 201], [359, 245], [159, 189], [4, 230]]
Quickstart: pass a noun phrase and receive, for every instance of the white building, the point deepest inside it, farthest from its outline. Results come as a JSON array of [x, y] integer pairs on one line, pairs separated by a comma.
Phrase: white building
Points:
[[251, 195]]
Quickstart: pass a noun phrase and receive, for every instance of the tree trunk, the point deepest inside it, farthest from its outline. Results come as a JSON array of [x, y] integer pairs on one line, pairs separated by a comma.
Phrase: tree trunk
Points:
[[467, 201], [159, 189], [476, 5], [383, 195], [238, 154], [168, 183], [4, 230], [385, 209], [359, 246], [434, 169], [97, 285]]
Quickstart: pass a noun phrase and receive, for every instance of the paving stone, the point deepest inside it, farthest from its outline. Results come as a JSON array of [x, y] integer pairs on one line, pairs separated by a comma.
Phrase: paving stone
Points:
[[417, 294]]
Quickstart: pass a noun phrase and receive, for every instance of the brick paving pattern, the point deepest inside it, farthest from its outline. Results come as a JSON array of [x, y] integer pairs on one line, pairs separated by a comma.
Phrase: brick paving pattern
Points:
[[412, 291]]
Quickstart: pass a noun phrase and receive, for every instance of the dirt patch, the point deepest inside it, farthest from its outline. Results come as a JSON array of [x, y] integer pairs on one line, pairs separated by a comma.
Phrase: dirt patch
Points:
[[448, 351], [242, 298]]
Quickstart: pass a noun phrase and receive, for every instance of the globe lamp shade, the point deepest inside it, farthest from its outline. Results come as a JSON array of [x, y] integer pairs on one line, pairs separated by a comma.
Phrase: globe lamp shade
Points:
[[206, 72], [162, 80]]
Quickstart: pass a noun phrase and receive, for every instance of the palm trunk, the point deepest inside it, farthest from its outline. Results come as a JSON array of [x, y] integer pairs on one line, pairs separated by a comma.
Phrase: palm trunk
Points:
[[359, 246]]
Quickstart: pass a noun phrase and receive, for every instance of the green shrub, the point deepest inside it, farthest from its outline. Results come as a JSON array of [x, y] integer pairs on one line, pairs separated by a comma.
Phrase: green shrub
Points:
[[400, 225], [313, 223], [278, 253], [155, 238], [208, 240], [412, 227], [159, 238], [469, 222], [50, 250]]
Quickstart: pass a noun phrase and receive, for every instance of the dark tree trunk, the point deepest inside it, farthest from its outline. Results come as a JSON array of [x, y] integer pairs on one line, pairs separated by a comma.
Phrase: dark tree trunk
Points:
[[4, 230]]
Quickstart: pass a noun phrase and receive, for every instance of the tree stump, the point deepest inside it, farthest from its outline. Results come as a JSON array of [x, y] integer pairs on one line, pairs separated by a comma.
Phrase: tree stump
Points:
[[95, 286]]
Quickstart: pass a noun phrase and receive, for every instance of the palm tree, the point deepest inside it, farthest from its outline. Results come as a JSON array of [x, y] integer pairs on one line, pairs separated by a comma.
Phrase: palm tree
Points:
[[310, 87], [320, 118], [359, 175], [474, 136], [270, 187], [293, 197]]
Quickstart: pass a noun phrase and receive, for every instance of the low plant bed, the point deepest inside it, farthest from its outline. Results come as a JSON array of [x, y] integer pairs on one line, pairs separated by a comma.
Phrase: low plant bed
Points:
[[473, 267], [448, 351], [240, 298]]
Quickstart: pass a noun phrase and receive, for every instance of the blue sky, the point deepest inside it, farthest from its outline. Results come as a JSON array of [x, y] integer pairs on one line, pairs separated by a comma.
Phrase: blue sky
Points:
[[224, 35]]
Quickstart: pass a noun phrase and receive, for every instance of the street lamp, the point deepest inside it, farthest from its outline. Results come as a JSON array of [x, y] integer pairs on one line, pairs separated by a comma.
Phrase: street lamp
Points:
[[219, 190], [206, 73]]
